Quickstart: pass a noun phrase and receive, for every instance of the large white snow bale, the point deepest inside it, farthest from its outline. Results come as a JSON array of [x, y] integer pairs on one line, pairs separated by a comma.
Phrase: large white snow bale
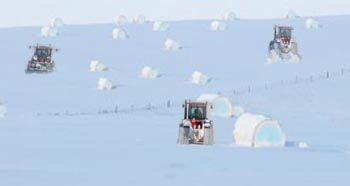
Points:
[[199, 78], [292, 15], [118, 33], [171, 45], [48, 31], [230, 16], [149, 73], [222, 105], [120, 20], [258, 131], [218, 26], [56, 22], [97, 66], [159, 26], [140, 19], [312, 24], [105, 84], [3, 110]]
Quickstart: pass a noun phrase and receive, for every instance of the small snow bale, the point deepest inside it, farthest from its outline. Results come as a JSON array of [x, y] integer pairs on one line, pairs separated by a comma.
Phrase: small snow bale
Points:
[[48, 31], [171, 45], [149, 73], [3, 110], [159, 26], [292, 15], [312, 24], [97, 66], [105, 84], [199, 78], [140, 19], [222, 105], [258, 131], [56, 22], [230, 16], [118, 33], [120, 20], [218, 26]]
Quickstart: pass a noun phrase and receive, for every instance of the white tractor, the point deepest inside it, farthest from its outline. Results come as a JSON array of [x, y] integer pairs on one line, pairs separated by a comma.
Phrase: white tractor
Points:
[[283, 47], [196, 127]]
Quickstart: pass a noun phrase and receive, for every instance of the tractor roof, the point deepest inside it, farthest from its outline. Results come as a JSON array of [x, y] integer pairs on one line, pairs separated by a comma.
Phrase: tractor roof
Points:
[[198, 104]]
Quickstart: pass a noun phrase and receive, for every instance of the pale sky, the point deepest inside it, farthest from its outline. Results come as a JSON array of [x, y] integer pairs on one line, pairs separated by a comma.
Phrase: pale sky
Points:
[[38, 12]]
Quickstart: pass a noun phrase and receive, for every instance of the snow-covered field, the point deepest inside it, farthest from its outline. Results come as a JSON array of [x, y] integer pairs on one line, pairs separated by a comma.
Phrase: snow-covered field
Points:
[[55, 132]]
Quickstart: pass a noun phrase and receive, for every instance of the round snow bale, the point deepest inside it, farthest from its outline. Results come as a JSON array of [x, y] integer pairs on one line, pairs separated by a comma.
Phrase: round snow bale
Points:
[[218, 26], [258, 131], [149, 73], [140, 19], [292, 15], [120, 20], [3, 110], [105, 84], [97, 66], [119, 34], [159, 26], [199, 78], [230, 16], [48, 31], [312, 24], [222, 105], [171, 45]]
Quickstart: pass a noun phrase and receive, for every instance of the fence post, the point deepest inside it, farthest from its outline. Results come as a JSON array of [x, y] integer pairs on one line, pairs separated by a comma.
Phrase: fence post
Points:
[[168, 104], [327, 75], [116, 109]]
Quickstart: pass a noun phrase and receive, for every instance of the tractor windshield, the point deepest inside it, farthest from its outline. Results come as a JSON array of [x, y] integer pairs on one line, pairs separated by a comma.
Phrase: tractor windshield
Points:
[[285, 33], [197, 112], [43, 52]]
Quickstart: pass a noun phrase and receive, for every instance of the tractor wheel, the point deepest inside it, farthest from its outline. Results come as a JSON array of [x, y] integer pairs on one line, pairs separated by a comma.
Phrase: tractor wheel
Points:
[[183, 137], [209, 136]]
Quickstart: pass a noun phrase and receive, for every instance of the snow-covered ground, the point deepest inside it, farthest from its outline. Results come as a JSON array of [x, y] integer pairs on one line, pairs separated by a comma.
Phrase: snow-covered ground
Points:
[[57, 132]]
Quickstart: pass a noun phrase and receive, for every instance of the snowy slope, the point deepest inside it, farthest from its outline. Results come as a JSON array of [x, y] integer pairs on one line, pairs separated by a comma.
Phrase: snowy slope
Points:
[[139, 147]]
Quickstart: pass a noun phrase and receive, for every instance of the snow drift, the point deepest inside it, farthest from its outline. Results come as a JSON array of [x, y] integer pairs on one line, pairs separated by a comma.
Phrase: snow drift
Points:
[[140, 19], [199, 78], [120, 20], [159, 26], [230, 16], [3, 110], [218, 26], [258, 131], [287, 58], [105, 84], [118, 33], [222, 106], [171, 45], [312, 24], [149, 73], [48, 31], [56, 22], [292, 15], [97, 66]]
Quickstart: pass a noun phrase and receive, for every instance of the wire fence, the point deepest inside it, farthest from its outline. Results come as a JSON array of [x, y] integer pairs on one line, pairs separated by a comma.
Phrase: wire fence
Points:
[[168, 104]]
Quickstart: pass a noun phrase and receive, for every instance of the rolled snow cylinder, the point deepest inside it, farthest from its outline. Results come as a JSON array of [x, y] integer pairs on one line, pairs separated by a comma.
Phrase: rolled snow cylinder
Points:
[[159, 26], [258, 131], [105, 84], [230, 16], [199, 78], [48, 31], [3, 110], [171, 45], [119, 34], [222, 106], [312, 24], [97, 66], [140, 19], [149, 73], [292, 15], [120, 20], [218, 26], [56, 22]]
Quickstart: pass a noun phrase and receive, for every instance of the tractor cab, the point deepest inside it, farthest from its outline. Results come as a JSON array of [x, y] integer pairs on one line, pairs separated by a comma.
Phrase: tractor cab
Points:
[[196, 127], [42, 54], [283, 33], [41, 61]]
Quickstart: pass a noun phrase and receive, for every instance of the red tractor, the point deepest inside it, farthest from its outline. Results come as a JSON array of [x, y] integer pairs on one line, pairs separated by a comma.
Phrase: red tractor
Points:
[[196, 127], [41, 60], [283, 45]]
